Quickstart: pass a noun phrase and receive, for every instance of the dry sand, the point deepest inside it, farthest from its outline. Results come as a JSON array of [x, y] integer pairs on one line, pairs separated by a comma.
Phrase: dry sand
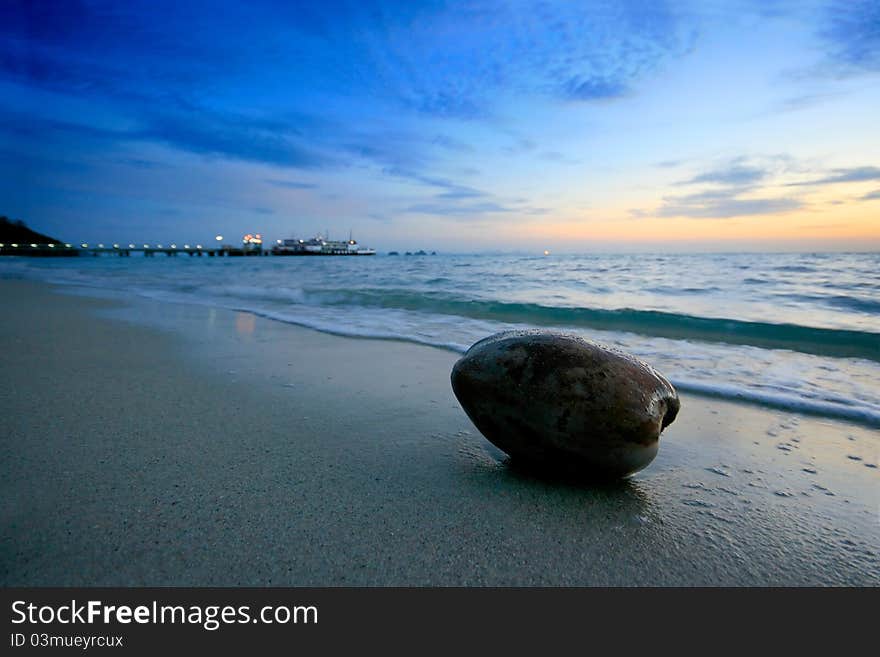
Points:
[[163, 444]]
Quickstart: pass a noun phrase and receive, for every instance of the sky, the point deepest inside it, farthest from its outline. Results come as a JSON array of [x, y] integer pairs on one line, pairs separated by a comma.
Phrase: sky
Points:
[[455, 126]]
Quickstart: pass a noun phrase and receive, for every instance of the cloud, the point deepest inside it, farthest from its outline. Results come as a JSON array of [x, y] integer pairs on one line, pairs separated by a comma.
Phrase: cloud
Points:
[[235, 137], [139, 163], [460, 201], [853, 174], [451, 198], [730, 193], [196, 131], [556, 156], [458, 210], [852, 35], [520, 143], [723, 206], [734, 174], [735, 189], [454, 60], [37, 128], [456, 192], [289, 184], [871, 196], [156, 68], [451, 144], [804, 101], [451, 190], [595, 89], [727, 208]]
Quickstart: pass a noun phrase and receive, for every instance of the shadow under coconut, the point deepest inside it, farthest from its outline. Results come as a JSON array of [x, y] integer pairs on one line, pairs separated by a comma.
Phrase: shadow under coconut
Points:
[[564, 490], [564, 475]]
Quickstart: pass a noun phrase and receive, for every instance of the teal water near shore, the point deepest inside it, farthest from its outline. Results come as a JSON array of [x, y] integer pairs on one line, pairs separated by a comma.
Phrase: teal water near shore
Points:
[[794, 331]]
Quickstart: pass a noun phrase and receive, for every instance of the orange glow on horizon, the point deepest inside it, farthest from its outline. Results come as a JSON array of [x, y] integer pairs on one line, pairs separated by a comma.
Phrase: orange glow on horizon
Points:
[[820, 220]]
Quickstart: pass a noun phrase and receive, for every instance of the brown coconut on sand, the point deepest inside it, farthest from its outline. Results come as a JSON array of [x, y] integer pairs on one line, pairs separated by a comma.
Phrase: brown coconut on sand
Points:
[[557, 401]]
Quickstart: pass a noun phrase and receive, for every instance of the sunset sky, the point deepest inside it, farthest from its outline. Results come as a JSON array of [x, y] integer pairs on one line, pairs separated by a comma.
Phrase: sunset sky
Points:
[[460, 126]]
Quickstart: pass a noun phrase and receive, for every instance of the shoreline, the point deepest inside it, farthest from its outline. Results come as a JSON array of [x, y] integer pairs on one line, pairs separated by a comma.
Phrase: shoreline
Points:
[[169, 444], [854, 402]]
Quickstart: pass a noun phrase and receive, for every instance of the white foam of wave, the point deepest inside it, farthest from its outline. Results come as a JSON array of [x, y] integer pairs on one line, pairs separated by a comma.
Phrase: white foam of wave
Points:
[[396, 326], [862, 413]]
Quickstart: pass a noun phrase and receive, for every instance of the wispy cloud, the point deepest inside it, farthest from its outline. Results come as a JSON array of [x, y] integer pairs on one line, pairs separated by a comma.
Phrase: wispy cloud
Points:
[[734, 189], [735, 173], [427, 59], [236, 137], [196, 131], [852, 34], [458, 210], [457, 192], [449, 190], [850, 175], [140, 163], [595, 89], [289, 184], [558, 157], [872, 196], [451, 144], [804, 101], [723, 204]]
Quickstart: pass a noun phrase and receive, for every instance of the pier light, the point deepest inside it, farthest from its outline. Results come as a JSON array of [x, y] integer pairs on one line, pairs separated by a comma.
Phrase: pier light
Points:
[[173, 246], [100, 246], [219, 238], [15, 246], [186, 246], [546, 252], [158, 246], [67, 246], [278, 241], [146, 246], [131, 246], [84, 245], [33, 246], [198, 246], [115, 246], [2, 245], [51, 246]]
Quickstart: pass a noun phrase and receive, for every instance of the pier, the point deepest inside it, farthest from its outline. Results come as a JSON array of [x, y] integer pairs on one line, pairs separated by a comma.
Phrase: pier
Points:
[[126, 250]]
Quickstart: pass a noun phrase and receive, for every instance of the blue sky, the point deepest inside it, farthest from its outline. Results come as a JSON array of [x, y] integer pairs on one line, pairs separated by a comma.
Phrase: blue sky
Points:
[[457, 126]]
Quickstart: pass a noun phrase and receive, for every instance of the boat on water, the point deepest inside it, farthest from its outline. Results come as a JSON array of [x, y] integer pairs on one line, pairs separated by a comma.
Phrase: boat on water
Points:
[[320, 246]]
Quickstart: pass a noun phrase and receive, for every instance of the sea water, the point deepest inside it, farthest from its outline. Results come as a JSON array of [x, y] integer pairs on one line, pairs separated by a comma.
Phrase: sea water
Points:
[[793, 331]]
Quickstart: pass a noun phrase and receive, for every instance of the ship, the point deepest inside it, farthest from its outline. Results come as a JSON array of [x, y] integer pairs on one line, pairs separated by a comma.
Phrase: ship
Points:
[[320, 246]]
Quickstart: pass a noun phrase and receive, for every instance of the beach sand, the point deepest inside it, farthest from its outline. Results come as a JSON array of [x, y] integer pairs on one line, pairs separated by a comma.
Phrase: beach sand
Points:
[[159, 444]]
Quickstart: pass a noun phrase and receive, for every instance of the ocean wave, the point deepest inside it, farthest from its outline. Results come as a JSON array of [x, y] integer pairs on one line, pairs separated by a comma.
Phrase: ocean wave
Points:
[[830, 371], [799, 269], [794, 337], [869, 306], [830, 405], [858, 412]]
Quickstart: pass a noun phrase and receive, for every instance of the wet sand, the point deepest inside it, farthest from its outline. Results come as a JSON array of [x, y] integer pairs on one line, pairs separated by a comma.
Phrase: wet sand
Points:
[[155, 444]]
